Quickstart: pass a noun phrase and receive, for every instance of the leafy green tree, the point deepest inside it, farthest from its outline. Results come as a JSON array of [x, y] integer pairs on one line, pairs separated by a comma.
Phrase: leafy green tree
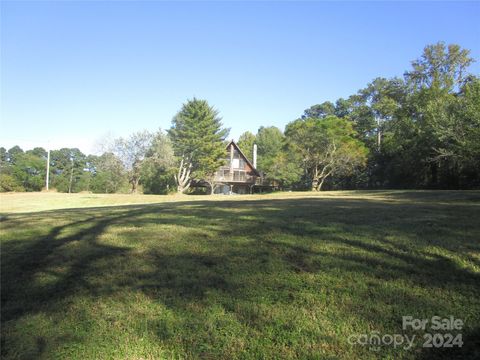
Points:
[[22, 171], [3, 156], [14, 153], [285, 169], [9, 183], [343, 108], [383, 97], [158, 169], [464, 134], [363, 119], [322, 110], [325, 146], [29, 170], [198, 138], [132, 152], [440, 66], [67, 168], [245, 143], [429, 125], [39, 152], [270, 141], [108, 173]]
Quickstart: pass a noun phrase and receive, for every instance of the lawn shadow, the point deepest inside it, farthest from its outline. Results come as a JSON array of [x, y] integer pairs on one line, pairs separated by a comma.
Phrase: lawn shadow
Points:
[[235, 249]]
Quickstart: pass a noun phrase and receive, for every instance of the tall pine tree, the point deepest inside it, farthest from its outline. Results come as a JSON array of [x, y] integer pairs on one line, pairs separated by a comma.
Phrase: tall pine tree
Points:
[[198, 138]]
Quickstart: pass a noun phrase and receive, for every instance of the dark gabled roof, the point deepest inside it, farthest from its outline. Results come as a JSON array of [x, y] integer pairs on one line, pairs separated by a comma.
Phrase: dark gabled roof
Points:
[[243, 155]]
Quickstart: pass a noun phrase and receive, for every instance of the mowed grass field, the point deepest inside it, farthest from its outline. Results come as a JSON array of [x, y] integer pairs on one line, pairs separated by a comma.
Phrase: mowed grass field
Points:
[[280, 276]]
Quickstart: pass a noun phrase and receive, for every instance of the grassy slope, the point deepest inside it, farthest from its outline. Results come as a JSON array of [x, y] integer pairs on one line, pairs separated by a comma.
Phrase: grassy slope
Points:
[[277, 276]]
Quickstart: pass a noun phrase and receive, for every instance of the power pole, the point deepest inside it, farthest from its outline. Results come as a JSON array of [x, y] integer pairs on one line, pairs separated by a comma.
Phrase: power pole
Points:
[[48, 168]]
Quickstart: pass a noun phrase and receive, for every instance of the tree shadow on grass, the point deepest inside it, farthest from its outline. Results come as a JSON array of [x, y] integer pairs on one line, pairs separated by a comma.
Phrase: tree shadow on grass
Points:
[[470, 350], [180, 277]]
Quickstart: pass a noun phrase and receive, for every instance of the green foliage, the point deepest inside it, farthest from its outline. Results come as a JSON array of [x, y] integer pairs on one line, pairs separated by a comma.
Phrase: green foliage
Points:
[[22, 171], [132, 151], [9, 183], [29, 170], [14, 153], [245, 143], [67, 168], [422, 131], [159, 181], [325, 146], [198, 137], [158, 168], [440, 66], [284, 170], [465, 134], [270, 141], [107, 173], [320, 111]]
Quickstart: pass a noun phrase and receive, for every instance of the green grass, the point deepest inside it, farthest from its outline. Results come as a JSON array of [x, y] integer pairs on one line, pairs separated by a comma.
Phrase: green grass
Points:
[[282, 276]]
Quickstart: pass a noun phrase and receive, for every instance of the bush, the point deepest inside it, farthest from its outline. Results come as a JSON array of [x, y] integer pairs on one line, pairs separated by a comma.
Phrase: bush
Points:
[[9, 183]]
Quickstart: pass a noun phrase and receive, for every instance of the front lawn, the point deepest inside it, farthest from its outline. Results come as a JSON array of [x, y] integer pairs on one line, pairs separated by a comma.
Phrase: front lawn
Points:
[[284, 276]]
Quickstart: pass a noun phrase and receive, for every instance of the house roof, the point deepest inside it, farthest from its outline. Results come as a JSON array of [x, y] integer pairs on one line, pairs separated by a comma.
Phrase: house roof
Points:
[[243, 155]]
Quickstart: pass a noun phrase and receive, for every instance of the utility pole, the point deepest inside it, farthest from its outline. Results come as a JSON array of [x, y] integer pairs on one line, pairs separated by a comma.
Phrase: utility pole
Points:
[[48, 169]]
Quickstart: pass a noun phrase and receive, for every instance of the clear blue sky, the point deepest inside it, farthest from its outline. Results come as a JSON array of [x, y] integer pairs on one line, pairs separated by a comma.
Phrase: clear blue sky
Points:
[[73, 71]]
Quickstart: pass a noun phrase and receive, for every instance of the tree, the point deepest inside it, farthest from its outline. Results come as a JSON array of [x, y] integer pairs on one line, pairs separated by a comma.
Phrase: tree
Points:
[[383, 97], [270, 141], [325, 146], [320, 111], [440, 66], [285, 169], [158, 166], [198, 141], [429, 125], [29, 170], [108, 173], [9, 183], [67, 167], [343, 107], [14, 153], [22, 171], [132, 152], [245, 143]]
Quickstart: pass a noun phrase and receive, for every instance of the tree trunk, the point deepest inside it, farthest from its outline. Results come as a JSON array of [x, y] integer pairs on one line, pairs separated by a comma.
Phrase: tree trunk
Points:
[[135, 182], [212, 187], [321, 182], [323, 176], [315, 179], [183, 177], [379, 134], [71, 180]]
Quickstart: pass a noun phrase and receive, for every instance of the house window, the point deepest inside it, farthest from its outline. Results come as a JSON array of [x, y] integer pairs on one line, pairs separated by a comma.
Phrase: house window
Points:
[[239, 175]]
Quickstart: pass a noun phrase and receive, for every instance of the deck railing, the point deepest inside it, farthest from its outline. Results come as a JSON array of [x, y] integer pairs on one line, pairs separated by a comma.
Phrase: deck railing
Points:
[[238, 177]]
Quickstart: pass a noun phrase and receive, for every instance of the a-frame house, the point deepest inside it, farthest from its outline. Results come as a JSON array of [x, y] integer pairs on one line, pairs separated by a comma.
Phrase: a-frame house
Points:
[[238, 175]]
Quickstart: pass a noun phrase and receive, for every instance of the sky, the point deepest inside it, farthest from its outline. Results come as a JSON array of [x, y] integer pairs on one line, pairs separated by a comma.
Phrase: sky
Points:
[[76, 72]]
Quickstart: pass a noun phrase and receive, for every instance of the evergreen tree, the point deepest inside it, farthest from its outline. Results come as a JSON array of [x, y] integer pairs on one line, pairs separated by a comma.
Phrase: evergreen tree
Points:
[[198, 140]]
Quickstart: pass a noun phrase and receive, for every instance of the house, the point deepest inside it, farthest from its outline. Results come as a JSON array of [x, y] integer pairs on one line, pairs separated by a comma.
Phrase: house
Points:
[[238, 175]]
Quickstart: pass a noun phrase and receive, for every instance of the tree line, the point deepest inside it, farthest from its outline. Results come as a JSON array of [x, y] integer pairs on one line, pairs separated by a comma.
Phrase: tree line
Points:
[[421, 130]]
